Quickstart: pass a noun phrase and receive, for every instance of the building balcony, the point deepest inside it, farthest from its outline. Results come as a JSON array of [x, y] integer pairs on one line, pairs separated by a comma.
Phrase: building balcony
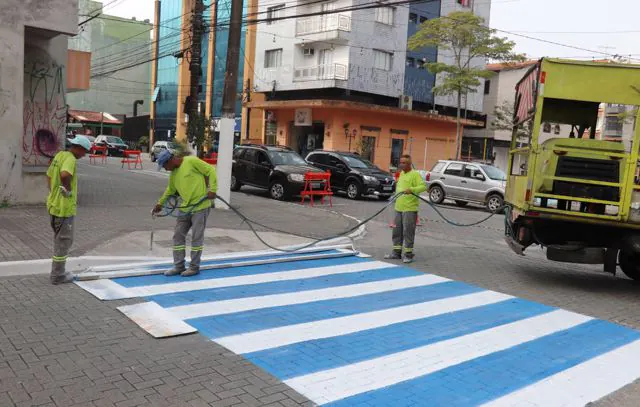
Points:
[[320, 72], [322, 28]]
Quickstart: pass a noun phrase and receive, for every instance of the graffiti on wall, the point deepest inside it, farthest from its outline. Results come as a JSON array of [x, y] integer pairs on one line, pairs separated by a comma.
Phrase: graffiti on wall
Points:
[[368, 79], [45, 109]]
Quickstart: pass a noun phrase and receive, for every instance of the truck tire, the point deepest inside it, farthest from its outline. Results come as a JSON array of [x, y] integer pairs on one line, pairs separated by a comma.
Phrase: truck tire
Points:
[[630, 264]]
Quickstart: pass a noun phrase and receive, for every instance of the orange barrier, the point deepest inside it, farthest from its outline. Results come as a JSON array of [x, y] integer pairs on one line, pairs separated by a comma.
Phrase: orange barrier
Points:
[[132, 157], [93, 154], [313, 180]]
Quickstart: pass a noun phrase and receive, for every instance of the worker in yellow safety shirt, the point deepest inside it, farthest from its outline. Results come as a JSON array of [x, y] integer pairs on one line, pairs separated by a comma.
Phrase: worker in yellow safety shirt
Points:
[[188, 179], [61, 204], [409, 184]]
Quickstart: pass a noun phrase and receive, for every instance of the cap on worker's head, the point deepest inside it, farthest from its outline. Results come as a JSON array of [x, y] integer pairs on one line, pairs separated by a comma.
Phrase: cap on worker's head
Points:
[[163, 158], [81, 141]]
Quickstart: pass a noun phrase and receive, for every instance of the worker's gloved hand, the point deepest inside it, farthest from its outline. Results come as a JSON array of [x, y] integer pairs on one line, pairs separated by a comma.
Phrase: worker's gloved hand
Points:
[[408, 191], [211, 195], [65, 192], [156, 209]]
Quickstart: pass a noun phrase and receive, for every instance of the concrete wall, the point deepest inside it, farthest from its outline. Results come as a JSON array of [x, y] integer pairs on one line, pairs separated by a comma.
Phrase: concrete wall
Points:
[[474, 100], [32, 92]]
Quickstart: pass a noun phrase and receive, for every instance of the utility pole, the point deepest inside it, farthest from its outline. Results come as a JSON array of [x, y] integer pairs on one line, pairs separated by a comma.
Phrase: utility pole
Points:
[[195, 65], [229, 97]]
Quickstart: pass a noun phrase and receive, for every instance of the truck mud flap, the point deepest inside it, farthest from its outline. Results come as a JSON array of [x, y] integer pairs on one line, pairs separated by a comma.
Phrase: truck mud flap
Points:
[[581, 256], [515, 246]]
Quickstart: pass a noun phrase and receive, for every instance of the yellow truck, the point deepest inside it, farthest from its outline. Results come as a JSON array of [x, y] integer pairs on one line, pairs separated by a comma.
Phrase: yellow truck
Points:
[[573, 164]]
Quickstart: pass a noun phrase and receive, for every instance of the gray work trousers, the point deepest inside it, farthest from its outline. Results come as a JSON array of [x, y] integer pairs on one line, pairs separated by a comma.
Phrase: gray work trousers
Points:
[[197, 222], [62, 241], [404, 232]]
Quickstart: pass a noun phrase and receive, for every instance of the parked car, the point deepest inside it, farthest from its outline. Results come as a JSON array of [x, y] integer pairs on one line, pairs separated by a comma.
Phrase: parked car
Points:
[[467, 182], [353, 174], [115, 145], [160, 146], [279, 170]]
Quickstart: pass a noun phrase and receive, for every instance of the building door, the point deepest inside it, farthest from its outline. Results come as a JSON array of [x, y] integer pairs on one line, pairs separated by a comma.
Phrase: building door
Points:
[[397, 148], [435, 150], [325, 63], [368, 149], [325, 18]]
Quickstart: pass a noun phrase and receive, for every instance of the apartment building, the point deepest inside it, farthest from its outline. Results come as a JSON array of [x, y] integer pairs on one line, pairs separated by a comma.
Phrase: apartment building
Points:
[[328, 76]]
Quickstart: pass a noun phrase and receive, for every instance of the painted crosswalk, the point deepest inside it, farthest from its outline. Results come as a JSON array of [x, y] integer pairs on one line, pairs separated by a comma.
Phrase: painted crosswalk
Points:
[[353, 331]]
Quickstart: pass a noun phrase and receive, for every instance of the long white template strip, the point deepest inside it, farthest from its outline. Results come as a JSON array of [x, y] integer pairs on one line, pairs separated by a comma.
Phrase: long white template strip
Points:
[[339, 383], [267, 301], [144, 291], [327, 328], [580, 384]]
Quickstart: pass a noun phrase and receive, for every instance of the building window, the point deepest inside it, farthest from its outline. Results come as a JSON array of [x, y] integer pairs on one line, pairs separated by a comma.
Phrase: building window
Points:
[[382, 60], [274, 12], [614, 124], [546, 127], [556, 129], [413, 18], [423, 19], [385, 15], [487, 87], [411, 62], [273, 58]]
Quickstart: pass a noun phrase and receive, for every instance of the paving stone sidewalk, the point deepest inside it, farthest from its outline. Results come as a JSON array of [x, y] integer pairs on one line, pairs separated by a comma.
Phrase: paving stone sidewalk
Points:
[[59, 346]]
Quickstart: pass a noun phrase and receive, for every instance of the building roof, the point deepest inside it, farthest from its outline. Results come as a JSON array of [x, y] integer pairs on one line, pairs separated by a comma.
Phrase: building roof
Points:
[[93, 117], [506, 66]]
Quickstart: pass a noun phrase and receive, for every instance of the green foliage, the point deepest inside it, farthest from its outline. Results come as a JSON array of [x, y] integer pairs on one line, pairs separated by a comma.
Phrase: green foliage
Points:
[[504, 120], [199, 131], [464, 36], [143, 141]]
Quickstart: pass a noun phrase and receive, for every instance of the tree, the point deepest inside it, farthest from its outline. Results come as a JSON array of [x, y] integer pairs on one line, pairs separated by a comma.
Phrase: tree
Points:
[[504, 120], [199, 132], [464, 36]]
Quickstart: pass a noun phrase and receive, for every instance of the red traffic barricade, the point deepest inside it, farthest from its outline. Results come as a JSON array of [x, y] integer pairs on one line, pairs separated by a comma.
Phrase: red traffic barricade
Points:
[[317, 184], [132, 157], [93, 154]]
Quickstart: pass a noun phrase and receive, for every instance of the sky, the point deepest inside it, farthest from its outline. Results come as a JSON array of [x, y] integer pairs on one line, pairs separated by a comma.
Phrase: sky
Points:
[[596, 28]]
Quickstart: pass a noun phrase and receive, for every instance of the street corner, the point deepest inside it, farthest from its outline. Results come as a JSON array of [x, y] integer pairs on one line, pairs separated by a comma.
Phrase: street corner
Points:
[[343, 330]]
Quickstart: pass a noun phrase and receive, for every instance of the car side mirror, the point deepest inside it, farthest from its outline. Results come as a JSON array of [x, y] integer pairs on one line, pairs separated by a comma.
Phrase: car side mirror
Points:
[[341, 167], [265, 164], [480, 177]]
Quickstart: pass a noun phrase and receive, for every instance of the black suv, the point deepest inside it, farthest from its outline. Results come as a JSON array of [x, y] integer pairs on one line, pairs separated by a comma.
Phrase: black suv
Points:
[[277, 169], [353, 174]]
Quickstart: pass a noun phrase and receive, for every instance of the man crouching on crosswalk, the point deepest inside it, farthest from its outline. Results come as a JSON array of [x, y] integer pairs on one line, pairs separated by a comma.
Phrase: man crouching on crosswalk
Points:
[[409, 184], [188, 179]]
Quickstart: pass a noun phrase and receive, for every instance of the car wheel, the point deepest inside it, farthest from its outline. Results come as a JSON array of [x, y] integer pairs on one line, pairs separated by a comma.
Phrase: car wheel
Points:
[[153, 158], [495, 203], [461, 204], [630, 264], [436, 194], [235, 185], [354, 190], [278, 190]]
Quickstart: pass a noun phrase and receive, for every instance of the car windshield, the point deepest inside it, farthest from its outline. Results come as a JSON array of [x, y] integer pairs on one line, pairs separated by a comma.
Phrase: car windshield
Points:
[[494, 173], [286, 158], [114, 140], [90, 138], [358, 162]]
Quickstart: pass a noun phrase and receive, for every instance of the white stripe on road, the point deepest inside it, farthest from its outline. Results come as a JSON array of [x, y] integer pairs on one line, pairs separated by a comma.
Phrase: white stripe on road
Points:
[[267, 301], [276, 337], [339, 383], [144, 291], [580, 384]]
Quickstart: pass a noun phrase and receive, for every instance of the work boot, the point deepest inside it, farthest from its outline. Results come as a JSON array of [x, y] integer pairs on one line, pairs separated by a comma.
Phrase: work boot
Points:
[[173, 272], [63, 279], [189, 273], [407, 259], [393, 256]]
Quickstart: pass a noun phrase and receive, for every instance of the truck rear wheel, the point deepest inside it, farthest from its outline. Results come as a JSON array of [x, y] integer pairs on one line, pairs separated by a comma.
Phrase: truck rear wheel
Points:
[[630, 264]]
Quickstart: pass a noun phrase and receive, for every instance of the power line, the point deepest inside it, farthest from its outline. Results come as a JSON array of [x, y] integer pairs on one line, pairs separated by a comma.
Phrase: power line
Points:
[[99, 10]]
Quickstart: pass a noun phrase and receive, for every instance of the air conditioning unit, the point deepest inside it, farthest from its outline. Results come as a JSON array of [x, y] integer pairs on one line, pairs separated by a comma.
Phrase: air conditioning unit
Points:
[[406, 102], [308, 52]]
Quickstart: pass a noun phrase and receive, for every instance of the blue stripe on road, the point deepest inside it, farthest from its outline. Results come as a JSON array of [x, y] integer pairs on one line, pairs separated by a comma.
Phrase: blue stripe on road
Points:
[[280, 287], [267, 318], [238, 271], [490, 377], [328, 353]]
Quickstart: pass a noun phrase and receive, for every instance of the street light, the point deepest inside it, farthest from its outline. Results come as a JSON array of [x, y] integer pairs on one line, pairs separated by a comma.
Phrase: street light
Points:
[[348, 134]]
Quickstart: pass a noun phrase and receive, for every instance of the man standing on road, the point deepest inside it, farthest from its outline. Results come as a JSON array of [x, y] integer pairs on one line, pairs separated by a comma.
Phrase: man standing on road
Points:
[[410, 184], [196, 183], [61, 204]]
